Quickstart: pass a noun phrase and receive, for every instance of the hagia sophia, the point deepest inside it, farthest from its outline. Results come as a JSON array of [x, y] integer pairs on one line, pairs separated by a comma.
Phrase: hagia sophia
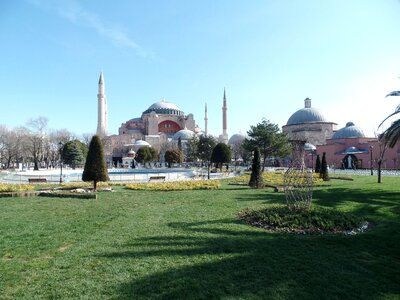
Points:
[[164, 123], [161, 125]]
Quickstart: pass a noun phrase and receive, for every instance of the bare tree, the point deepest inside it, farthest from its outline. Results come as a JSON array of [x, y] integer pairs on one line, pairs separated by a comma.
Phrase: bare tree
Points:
[[57, 138], [37, 139], [12, 145], [87, 137]]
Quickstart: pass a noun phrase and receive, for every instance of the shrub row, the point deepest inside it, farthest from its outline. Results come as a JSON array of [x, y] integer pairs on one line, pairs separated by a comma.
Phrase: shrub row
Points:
[[23, 194], [69, 195]]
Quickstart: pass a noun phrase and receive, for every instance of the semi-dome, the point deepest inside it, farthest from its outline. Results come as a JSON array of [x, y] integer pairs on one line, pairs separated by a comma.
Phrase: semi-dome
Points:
[[141, 143], [164, 107], [237, 138], [306, 115], [184, 134], [350, 131]]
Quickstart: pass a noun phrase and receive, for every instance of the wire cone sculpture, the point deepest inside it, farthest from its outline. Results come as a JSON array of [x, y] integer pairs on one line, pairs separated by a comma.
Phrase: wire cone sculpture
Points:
[[298, 180]]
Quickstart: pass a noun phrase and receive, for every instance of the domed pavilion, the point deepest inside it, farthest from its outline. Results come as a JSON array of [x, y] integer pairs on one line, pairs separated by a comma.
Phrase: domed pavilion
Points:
[[310, 125], [349, 148]]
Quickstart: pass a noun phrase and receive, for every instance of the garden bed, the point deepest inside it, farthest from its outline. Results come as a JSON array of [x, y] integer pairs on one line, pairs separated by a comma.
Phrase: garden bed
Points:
[[68, 195], [313, 221]]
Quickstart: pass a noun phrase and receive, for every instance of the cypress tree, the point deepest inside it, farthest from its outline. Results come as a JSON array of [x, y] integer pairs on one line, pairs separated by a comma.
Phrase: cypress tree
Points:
[[324, 169], [318, 164], [256, 180], [95, 167]]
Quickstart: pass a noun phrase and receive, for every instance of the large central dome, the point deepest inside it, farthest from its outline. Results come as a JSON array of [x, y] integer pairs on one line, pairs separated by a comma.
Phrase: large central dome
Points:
[[306, 115], [164, 107]]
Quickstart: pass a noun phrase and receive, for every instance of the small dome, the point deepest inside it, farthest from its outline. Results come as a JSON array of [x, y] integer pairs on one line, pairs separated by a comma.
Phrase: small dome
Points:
[[237, 138], [309, 147], [350, 131], [352, 150], [131, 153], [141, 143], [164, 107], [306, 115], [184, 134]]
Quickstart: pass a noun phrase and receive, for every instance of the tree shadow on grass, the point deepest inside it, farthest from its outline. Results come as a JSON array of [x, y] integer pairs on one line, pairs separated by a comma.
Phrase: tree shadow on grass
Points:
[[226, 259], [267, 197], [379, 203]]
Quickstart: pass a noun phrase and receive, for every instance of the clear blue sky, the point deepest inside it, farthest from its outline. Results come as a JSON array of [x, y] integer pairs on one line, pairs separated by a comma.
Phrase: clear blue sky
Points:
[[269, 54]]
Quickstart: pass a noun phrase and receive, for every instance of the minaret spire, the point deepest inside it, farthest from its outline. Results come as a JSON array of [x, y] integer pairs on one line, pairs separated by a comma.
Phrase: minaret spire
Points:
[[101, 108], [205, 121], [224, 120]]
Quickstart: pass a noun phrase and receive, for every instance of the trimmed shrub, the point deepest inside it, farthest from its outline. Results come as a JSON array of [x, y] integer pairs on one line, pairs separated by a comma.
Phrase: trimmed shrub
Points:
[[256, 179]]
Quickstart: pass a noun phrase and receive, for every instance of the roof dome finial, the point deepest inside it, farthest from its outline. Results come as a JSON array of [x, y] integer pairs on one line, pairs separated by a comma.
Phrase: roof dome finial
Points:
[[307, 103]]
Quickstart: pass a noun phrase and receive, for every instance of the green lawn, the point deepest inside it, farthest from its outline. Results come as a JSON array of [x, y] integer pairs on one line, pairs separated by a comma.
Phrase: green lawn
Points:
[[191, 245]]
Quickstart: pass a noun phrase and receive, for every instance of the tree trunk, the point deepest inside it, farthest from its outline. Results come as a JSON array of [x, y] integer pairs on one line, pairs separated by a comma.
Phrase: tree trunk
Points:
[[95, 185], [8, 162], [379, 171], [263, 166]]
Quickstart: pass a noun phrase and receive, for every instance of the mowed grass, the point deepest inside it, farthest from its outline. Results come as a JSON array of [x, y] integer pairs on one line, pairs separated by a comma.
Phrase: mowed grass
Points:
[[191, 245]]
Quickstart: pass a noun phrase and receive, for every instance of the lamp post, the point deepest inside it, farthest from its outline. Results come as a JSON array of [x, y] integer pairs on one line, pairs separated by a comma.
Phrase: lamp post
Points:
[[370, 152], [209, 160], [61, 161], [312, 161]]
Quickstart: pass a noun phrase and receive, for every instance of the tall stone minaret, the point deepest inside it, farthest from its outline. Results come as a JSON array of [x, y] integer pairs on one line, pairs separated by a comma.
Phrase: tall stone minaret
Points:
[[102, 109], [205, 121], [224, 121]]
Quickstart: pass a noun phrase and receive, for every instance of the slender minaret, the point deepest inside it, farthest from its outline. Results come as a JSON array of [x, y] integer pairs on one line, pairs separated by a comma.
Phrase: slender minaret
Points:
[[205, 121], [102, 109], [224, 121]]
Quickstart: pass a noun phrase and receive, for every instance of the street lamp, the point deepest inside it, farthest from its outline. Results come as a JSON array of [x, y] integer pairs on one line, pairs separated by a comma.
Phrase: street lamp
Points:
[[209, 161], [370, 152], [61, 161], [312, 161]]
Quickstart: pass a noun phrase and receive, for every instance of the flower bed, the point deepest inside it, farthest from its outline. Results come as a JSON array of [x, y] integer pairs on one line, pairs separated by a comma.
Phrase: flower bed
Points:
[[273, 179], [5, 187], [176, 185], [75, 185]]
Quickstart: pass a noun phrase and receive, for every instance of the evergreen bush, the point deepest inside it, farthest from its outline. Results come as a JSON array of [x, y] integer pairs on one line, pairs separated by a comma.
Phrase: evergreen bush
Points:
[[256, 179], [95, 167], [324, 169], [318, 164]]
